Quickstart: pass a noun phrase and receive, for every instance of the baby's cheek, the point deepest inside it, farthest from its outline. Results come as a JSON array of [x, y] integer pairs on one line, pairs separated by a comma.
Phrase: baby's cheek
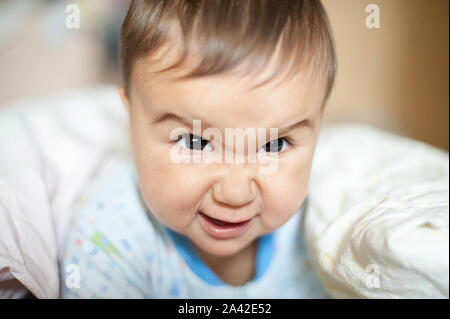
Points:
[[179, 193], [183, 194], [284, 193]]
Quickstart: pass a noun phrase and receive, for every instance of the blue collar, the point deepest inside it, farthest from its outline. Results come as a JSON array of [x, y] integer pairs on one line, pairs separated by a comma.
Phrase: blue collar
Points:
[[197, 265]]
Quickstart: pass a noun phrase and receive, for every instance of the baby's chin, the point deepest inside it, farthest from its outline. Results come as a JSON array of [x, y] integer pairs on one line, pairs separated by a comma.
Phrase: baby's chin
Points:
[[222, 247]]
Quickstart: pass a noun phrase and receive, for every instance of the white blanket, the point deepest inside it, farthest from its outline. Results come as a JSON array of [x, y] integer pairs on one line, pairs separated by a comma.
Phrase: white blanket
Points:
[[378, 221], [49, 150]]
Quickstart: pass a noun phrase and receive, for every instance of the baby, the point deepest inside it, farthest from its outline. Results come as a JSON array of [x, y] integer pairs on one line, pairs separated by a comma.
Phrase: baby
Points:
[[183, 219]]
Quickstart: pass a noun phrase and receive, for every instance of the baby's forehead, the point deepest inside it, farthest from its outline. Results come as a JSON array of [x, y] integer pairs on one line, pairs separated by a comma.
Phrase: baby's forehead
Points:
[[230, 100], [242, 84]]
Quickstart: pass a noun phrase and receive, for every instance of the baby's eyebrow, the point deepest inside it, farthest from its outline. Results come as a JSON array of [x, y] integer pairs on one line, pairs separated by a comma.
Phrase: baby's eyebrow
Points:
[[189, 123], [302, 123], [172, 117]]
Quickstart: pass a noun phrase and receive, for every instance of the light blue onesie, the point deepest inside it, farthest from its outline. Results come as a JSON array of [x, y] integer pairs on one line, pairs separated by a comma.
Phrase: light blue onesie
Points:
[[115, 249]]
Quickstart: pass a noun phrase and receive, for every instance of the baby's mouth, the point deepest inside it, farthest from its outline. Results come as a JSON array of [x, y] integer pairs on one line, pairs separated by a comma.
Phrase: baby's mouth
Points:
[[219, 222], [221, 229]]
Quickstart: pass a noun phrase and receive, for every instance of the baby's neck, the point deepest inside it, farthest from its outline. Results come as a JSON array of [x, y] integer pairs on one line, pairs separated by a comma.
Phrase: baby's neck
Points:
[[234, 270]]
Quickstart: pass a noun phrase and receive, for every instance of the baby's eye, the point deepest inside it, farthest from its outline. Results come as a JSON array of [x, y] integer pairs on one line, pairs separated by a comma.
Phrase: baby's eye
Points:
[[275, 146], [193, 142]]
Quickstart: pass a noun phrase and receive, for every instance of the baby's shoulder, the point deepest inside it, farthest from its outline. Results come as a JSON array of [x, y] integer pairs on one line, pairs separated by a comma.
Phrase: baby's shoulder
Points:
[[110, 185], [112, 206]]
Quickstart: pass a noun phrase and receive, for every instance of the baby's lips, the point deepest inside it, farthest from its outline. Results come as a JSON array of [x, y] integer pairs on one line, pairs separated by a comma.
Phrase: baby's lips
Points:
[[220, 222], [223, 230]]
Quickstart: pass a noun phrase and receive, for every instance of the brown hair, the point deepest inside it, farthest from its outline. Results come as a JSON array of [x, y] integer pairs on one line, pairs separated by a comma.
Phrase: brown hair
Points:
[[229, 32]]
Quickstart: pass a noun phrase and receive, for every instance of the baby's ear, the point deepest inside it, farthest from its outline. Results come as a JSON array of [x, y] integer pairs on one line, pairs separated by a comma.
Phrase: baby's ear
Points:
[[124, 97]]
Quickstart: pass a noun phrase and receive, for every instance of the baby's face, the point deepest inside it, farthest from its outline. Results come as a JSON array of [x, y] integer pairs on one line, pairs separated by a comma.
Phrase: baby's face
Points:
[[191, 198]]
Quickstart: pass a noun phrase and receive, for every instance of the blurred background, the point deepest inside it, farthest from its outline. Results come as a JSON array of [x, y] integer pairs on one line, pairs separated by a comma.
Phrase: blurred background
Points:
[[394, 77]]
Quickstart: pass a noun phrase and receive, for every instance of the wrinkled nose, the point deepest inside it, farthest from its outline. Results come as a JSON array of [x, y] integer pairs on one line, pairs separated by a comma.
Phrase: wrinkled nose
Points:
[[235, 188]]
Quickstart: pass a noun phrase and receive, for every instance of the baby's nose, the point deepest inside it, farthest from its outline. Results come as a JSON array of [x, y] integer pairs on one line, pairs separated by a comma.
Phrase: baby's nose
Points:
[[235, 188]]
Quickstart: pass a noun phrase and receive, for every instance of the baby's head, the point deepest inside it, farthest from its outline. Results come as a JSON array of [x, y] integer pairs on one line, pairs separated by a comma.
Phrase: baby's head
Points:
[[256, 64]]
